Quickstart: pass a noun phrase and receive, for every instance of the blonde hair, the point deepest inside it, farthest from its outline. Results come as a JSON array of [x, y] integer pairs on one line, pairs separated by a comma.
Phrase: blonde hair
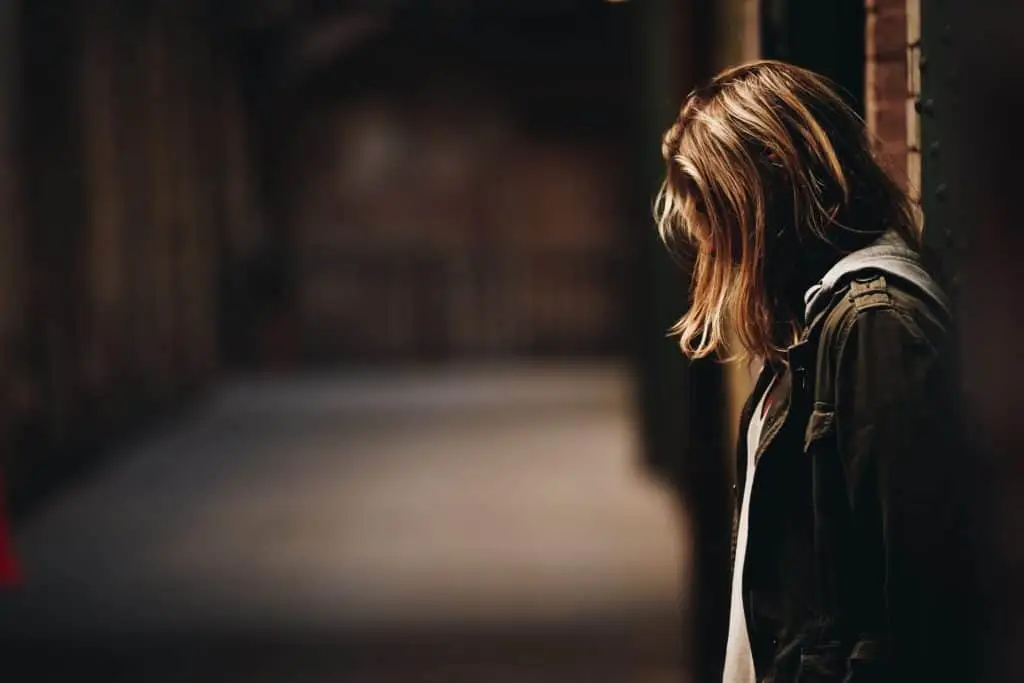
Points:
[[764, 164]]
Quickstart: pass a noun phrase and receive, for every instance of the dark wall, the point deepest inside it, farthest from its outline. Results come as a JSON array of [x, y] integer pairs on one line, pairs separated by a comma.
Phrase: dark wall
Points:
[[972, 59], [121, 206], [826, 37]]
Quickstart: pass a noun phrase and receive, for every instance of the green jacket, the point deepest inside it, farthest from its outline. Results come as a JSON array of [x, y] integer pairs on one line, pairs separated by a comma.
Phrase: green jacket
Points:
[[859, 551]]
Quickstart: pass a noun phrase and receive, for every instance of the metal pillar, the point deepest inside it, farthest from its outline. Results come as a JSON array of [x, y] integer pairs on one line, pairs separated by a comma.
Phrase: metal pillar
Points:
[[940, 96]]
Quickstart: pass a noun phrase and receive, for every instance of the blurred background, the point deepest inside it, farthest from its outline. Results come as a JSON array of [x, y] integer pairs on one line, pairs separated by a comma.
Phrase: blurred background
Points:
[[333, 333]]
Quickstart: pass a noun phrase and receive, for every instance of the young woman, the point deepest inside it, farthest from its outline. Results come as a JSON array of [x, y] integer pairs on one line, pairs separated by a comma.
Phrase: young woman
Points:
[[849, 545]]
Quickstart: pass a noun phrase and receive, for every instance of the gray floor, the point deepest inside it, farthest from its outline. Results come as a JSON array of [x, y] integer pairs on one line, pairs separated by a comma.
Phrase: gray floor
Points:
[[479, 524]]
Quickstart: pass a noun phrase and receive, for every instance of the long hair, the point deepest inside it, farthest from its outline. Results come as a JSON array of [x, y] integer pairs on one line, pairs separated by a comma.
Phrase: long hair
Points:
[[768, 169]]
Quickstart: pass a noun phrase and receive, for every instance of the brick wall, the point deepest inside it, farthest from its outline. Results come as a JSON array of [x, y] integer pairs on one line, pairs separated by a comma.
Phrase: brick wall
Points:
[[891, 33]]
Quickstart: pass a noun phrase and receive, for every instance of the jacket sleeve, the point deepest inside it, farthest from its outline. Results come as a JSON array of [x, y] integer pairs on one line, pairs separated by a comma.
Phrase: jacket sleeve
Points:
[[899, 447]]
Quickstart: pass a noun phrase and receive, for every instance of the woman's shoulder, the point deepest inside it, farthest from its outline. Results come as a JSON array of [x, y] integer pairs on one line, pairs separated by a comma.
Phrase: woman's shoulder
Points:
[[882, 296], [881, 316]]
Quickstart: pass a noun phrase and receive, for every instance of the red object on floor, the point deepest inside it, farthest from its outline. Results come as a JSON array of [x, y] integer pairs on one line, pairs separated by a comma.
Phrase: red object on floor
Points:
[[10, 573]]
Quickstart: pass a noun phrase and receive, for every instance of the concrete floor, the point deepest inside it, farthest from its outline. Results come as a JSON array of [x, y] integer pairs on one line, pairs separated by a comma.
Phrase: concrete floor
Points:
[[478, 524]]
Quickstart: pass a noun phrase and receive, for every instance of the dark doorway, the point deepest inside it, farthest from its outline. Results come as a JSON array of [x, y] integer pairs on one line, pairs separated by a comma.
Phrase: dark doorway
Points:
[[826, 37]]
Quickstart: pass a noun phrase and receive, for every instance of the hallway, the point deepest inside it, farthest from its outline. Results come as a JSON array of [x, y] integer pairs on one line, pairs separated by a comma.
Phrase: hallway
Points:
[[478, 524]]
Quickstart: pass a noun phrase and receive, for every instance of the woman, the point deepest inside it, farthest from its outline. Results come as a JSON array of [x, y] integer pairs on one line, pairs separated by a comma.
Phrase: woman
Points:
[[806, 256]]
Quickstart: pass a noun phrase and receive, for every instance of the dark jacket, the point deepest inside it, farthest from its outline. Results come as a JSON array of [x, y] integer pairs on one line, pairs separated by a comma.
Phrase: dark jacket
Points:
[[856, 555]]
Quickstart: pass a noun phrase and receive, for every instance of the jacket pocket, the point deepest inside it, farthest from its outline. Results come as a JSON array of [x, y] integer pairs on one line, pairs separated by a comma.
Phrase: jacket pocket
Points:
[[821, 424]]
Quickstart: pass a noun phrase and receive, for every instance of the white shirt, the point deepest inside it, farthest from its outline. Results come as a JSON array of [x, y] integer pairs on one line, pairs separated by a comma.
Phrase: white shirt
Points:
[[739, 660]]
